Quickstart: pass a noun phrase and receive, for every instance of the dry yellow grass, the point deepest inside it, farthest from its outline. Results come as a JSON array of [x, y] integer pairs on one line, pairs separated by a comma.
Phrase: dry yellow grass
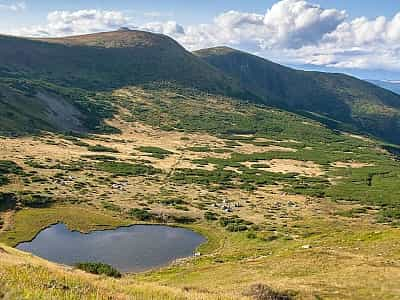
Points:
[[348, 258]]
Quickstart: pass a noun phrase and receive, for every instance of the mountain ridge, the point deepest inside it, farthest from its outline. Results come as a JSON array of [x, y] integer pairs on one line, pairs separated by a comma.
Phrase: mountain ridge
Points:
[[106, 61], [109, 60]]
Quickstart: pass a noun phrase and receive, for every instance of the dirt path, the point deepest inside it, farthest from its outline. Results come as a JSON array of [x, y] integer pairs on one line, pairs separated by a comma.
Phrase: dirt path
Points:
[[177, 161]]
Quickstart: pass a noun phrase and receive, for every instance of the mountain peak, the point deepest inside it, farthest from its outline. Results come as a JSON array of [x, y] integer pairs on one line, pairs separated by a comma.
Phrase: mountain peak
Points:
[[124, 29], [219, 50], [121, 38]]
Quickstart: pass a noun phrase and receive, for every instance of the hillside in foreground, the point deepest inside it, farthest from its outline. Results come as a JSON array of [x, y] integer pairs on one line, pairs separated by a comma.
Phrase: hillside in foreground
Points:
[[315, 212]]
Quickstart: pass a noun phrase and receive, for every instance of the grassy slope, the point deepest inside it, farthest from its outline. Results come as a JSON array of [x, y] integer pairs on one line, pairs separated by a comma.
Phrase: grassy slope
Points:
[[108, 60], [68, 70], [22, 112], [317, 143], [29, 106], [342, 98]]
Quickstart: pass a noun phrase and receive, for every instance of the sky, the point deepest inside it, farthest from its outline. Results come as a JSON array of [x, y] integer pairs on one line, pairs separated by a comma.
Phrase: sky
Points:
[[358, 37]]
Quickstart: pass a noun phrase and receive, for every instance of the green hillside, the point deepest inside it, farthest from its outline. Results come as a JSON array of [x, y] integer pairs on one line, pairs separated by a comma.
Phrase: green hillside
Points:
[[108, 60], [78, 68], [338, 100], [30, 106]]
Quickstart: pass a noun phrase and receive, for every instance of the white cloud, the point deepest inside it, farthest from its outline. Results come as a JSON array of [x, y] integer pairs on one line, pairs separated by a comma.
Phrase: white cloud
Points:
[[62, 23], [293, 23], [298, 32], [169, 28], [15, 7], [287, 24], [363, 43]]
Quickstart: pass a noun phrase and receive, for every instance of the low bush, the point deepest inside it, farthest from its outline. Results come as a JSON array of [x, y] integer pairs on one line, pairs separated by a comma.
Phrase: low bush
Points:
[[100, 157], [183, 219], [210, 216], [234, 223], [172, 202], [200, 149], [155, 151], [7, 201], [126, 169], [352, 213], [4, 180], [9, 167], [111, 206], [101, 148], [140, 214], [264, 292], [99, 269], [234, 227], [36, 200], [390, 215]]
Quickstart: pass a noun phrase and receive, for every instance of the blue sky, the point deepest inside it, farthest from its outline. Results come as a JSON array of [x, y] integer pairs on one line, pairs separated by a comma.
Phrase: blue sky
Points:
[[188, 11], [354, 36]]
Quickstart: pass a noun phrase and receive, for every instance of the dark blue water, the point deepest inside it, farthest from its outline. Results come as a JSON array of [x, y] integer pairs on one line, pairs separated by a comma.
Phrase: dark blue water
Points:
[[129, 249]]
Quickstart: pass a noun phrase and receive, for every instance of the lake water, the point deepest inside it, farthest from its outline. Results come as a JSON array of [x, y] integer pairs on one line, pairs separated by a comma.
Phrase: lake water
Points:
[[129, 249]]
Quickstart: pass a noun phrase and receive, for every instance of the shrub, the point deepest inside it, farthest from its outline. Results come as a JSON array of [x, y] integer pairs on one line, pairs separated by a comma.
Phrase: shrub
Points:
[[155, 151], [111, 206], [352, 213], [390, 215], [101, 148], [251, 235], [172, 202], [210, 216], [99, 269], [100, 157], [36, 200], [234, 227], [264, 292], [126, 169], [140, 214], [234, 223], [183, 219], [4, 180], [9, 167], [7, 201], [200, 149]]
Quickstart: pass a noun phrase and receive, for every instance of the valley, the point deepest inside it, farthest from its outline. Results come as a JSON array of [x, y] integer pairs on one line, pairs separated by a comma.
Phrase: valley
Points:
[[289, 204], [276, 207]]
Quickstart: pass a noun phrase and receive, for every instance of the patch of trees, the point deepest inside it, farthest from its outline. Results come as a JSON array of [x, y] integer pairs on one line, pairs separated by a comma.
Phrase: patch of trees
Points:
[[98, 269]]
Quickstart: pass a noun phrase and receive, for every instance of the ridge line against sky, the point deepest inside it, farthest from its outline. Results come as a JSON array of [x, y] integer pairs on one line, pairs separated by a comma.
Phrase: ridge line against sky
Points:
[[304, 34]]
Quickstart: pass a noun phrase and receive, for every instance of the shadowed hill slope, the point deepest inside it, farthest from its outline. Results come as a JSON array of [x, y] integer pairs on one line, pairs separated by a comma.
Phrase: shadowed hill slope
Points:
[[20, 112], [331, 98]]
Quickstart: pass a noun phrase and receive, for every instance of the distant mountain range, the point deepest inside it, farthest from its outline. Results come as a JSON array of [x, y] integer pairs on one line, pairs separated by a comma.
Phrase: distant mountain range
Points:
[[391, 85], [106, 61]]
